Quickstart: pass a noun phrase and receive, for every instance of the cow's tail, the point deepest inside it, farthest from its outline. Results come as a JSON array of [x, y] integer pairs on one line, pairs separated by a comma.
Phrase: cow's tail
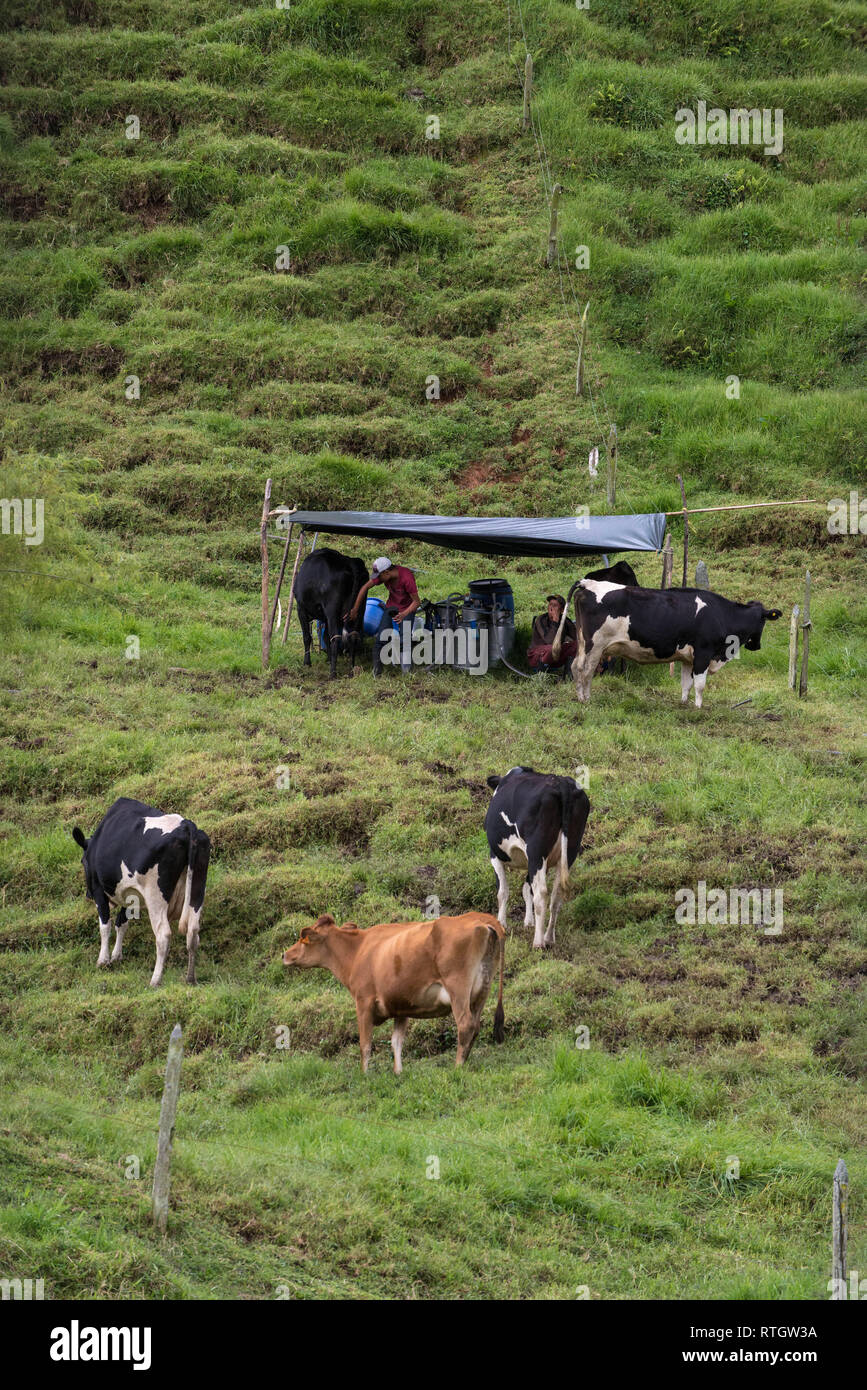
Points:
[[566, 808], [563, 866], [357, 628], [79, 837], [188, 887], [499, 1016], [558, 637]]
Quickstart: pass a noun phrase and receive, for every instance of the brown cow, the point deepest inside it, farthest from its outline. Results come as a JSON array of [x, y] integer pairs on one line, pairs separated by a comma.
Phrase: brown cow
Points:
[[405, 970]]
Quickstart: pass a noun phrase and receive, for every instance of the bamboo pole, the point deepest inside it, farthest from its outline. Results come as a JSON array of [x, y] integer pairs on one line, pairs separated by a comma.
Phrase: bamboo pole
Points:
[[263, 542], [685, 530], [528, 90], [292, 590], [579, 371], [280, 579], [793, 647], [611, 474], [168, 1110], [743, 506], [551, 255], [805, 644]]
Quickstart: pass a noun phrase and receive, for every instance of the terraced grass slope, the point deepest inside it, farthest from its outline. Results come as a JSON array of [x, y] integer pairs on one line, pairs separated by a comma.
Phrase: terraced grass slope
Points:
[[263, 283]]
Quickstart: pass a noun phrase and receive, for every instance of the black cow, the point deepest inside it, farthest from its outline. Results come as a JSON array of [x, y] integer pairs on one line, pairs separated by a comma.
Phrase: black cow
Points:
[[139, 854], [325, 589], [535, 820], [700, 629]]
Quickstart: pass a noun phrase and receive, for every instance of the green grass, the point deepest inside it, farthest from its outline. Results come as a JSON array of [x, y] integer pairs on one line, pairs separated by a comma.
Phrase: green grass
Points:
[[689, 1151]]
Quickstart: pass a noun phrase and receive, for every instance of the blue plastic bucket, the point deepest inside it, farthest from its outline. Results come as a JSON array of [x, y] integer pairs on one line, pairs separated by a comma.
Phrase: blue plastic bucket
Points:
[[373, 610]]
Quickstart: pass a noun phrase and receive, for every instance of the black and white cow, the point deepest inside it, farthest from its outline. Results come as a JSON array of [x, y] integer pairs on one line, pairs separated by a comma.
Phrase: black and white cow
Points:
[[535, 821], [700, 629], [621, 572], [139, 854], [325, 589]]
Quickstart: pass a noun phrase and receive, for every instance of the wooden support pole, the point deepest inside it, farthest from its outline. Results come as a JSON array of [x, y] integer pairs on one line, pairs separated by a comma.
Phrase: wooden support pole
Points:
[[840, 1222], [611, 477], [582, 343], [280, 580], [263, 536], [168, 1110], [793, 648], [805, 644], [528, 90], [551, 256], [667, 562], [685, 530], [292, 589]]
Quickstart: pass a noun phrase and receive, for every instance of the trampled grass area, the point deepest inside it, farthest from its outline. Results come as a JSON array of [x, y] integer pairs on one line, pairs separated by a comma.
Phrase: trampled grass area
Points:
[[689, 1151]]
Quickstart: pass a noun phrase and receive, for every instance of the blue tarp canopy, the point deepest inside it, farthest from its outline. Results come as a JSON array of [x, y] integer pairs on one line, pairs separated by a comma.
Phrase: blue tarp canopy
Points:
[[495, 535]]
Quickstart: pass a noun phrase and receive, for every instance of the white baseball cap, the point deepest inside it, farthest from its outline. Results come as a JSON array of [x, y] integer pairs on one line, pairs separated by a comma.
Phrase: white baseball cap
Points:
[[381, 565]]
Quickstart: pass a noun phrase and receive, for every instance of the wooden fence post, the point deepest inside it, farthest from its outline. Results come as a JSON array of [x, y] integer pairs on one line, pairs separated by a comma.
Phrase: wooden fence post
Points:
[[839, 1236], [611, 479], [685, 530], [667, 562], [263, 538], [551, 256], [805, 645], [168, 1109], [702, 579], [528, 90], [579, 372], [793, 648]]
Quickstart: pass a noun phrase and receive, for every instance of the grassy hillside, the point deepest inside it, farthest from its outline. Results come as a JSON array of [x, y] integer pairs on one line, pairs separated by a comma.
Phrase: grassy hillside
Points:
[[561, 1169]]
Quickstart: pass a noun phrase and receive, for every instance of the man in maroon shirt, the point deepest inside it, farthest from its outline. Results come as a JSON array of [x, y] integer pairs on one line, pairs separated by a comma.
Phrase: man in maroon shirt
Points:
[[403, 600]]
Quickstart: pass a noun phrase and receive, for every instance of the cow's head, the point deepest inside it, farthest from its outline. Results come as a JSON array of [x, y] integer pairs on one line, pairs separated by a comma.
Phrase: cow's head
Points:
[[757, 617], [312, 946]]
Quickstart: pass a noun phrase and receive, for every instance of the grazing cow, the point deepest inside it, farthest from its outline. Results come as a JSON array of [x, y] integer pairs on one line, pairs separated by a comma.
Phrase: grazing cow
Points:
[[535, 820], [326, 588], [139, 853], [406, 970], [700, 629]]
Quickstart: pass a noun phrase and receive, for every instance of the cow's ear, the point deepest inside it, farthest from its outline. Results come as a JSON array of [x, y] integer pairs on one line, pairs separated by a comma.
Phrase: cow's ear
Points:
[[493, 782], [773, 613], [79, 838], [326, 920]]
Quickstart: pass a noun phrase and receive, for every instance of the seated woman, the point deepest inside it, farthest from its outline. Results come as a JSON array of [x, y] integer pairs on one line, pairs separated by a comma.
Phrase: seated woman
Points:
[[545, 630]]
